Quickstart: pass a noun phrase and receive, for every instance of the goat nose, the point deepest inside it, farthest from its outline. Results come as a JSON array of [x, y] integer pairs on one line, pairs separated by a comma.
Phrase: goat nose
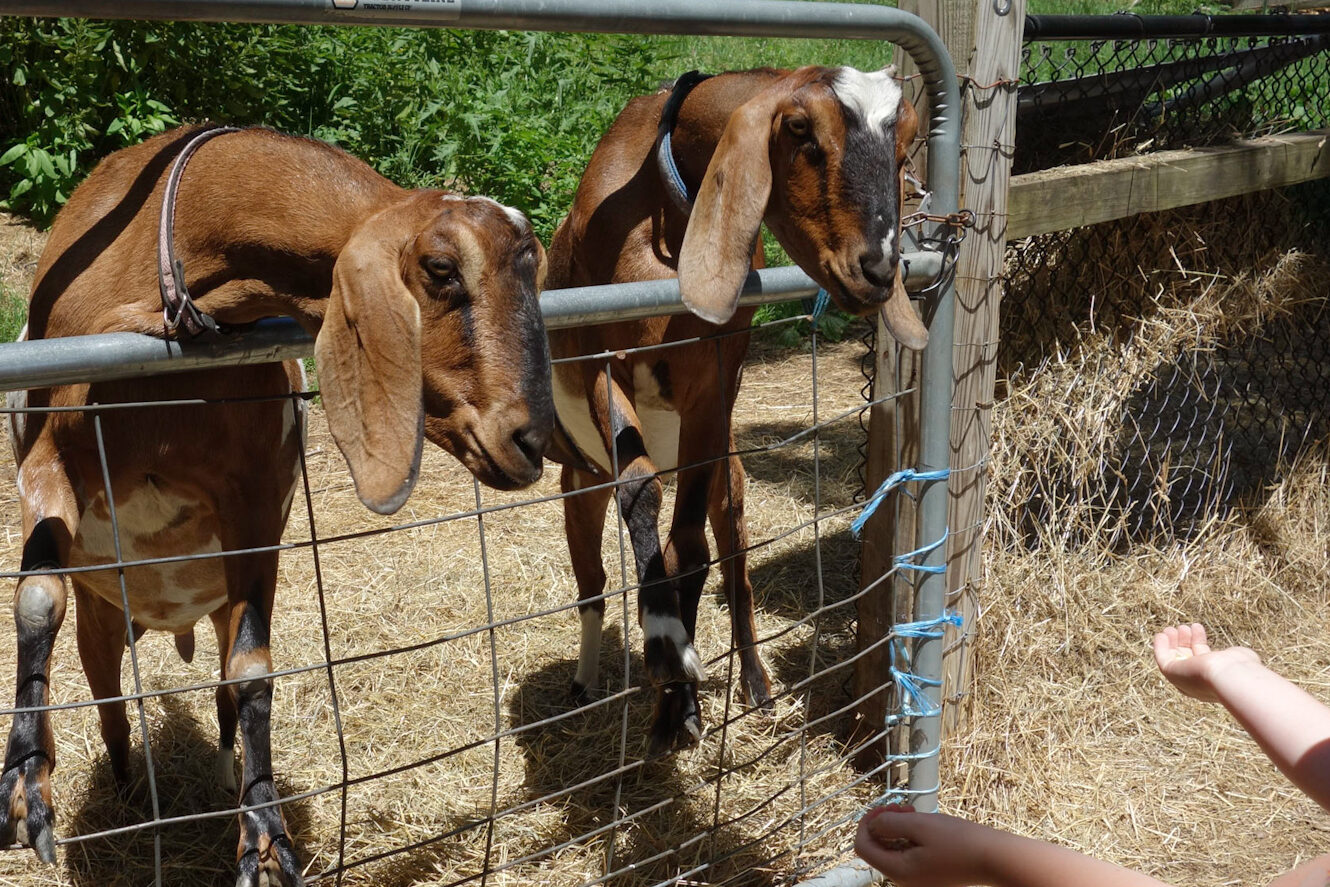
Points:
[[532, 439], [879, 268]]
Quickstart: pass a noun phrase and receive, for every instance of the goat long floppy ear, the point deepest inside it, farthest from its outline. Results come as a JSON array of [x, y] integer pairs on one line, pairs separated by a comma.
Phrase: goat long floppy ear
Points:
[[897, 313], [368, 353], [718, 245]]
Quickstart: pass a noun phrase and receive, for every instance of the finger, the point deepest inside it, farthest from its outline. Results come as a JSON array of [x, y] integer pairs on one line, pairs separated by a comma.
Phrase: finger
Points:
[[1199, 642], [890, 825], [1171, 645], [892, 807], [1163, 648], [875, 854]]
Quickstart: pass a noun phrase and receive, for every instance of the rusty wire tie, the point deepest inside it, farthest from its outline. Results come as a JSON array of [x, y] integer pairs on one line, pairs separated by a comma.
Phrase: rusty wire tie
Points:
[[961, 219]]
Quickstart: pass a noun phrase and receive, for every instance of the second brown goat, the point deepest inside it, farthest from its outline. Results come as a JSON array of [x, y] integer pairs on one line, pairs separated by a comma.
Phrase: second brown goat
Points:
[[680, 185]]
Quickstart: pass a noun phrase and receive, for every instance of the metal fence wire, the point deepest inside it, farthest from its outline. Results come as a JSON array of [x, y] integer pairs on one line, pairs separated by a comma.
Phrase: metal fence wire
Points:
[[422, 726], [1189, 346], [1096, 99]]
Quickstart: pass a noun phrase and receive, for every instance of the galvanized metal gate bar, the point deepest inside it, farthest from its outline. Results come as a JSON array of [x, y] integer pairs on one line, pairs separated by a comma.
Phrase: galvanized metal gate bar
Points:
[[106, 356]]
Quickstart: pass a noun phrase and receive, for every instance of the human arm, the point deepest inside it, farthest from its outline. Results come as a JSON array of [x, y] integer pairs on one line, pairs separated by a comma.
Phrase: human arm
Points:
[[936, 850], [1289, 725], [1314, 873]]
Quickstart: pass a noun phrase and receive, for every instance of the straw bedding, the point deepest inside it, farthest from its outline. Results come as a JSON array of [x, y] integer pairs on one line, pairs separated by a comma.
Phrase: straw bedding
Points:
[[1071, 735]]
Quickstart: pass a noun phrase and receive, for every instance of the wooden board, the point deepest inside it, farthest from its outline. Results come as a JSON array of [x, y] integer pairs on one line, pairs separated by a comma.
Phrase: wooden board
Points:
[[986, 46], [1071, 197], [989, 133]]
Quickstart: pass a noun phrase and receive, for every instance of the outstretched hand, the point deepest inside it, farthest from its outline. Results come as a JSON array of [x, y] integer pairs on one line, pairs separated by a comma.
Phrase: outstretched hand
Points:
[[1186, 660], [922, 849]]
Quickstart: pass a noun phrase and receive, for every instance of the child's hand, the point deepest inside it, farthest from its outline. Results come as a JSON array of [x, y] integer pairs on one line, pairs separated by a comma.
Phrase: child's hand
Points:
[[922, 849], [1187, 661]]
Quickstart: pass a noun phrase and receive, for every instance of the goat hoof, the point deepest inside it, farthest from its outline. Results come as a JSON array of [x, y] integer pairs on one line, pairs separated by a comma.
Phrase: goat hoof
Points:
[[28, 818], [690, 716], [132, 793], [44, 846], [678, 721], [757, 694], [579, 694], [669, 662], [270, 863]]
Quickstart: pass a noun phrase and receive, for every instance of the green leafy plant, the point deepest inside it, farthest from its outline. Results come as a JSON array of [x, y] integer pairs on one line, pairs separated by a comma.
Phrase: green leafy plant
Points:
[[513, 115]]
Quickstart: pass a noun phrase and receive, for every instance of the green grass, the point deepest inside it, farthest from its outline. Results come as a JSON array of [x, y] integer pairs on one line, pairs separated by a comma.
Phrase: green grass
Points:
[[736, 53], [13, 314]]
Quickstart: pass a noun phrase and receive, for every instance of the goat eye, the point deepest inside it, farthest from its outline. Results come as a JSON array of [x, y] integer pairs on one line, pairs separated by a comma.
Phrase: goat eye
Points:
[[440, 268], [797, 126]]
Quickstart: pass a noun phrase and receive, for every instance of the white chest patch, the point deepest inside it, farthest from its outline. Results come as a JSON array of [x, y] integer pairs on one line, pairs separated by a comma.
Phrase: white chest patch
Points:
[[16, 400], [660, 423], [295, 421], [575, 414], [874, 97]]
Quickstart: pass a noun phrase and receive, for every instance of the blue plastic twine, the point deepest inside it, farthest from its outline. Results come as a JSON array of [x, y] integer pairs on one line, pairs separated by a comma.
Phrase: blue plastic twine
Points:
[[903, 562], [915, 701], [892, 482], [820, 304], [817, 306], [928, 628]]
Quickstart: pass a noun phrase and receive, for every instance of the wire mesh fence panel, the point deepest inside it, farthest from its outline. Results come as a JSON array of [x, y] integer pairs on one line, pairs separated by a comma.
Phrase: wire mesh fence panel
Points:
[[1159, 369], [422, 726]]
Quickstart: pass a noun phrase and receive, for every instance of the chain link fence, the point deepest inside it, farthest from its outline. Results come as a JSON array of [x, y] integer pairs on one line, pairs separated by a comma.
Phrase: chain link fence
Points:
[[1161, 368]]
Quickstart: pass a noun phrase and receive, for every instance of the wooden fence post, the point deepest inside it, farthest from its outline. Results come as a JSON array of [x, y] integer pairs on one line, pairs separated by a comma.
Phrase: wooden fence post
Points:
[[988, 138], [984, 38]]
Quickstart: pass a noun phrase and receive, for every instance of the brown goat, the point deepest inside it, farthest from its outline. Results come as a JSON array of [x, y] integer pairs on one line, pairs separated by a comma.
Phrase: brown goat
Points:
[[425, 305], [815, 153]]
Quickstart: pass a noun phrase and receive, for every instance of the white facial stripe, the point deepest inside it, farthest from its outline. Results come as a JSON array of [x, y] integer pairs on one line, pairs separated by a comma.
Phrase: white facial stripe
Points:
[[874, 98], [514, 215]]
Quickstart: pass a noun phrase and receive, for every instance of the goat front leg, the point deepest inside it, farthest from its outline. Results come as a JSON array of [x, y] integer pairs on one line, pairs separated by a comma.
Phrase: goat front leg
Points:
[[671, 660], [672, 663], [227, 718], [266, 853], [50, 519], [583, 524], [686, 557], [731, 531]]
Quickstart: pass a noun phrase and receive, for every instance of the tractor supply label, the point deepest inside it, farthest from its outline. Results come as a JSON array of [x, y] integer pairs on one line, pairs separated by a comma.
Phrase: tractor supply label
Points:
[[442, 8]]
